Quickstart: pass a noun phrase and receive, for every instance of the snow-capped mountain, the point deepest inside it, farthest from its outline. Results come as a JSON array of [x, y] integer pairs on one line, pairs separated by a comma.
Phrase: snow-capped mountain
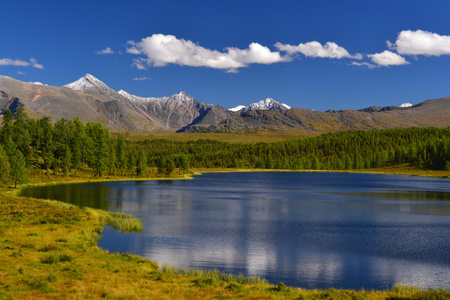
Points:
[[267, 104], [136, 98], [168, 113], [406, 105], [90, 83], [181, 97], [238, 108]]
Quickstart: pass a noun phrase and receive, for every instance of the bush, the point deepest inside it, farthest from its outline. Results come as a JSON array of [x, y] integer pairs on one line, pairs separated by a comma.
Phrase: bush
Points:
[[50, 259], [54, 259]]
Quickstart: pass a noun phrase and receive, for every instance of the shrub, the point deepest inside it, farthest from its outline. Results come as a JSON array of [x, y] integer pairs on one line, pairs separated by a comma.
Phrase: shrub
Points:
[[54, 258], [52, 278], [65, 257], [50, 259], [48, 248]]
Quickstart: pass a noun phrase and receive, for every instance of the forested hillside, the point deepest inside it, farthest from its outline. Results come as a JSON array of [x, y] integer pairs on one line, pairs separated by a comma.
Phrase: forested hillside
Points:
[[71, 146]]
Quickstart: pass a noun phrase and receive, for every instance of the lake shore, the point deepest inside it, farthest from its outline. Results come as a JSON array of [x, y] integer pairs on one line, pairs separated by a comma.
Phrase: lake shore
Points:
[[49, 250]]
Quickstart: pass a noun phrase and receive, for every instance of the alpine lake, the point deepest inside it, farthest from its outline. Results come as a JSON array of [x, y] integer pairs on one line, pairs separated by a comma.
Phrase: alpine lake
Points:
[[306, 229]]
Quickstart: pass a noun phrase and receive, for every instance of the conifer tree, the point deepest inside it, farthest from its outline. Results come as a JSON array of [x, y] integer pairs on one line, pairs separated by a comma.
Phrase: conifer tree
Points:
[[7, 122], [269, 162], [20, 131], [141, 164], [18, 171], [44, 142], [80, 140], [120, 152], [99, 137], [184, 163], [4, 165]]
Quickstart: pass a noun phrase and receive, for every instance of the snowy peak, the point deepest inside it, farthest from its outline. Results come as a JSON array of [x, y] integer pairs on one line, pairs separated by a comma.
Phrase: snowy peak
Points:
[[92, 84], [86, 83], [238, 108], [406, 105], [126, 95], [267, 104], [134, 98], [182, 97]]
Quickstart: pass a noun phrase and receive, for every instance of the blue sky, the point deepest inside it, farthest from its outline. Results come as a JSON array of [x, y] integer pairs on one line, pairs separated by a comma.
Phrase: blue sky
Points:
[[310, 54]]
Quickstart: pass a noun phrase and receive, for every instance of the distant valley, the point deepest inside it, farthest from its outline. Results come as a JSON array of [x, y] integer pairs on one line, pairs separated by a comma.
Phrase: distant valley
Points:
[[93, 101]]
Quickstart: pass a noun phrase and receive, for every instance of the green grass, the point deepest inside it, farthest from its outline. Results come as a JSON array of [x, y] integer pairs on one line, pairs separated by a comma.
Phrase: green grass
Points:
[[123, 222]]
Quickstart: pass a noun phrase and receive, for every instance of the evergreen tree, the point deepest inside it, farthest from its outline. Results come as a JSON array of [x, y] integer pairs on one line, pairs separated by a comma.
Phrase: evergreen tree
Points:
[[9, 146], [44, 141], [316, 165], [141, 164], [184, 163], [18, 171], [4, 165], [20, 131], [112, 159], [120, 152], [166, 166], [131, 162], [447, 166], [80, 140], [66, 160], [99, 137], [269, 162], [7, 123]]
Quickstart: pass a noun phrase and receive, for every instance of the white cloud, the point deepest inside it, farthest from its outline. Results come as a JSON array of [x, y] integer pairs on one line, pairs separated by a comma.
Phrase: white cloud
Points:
[[256, 54], [315, 49], [161, 50], [421, 42], [21, 73], [364, 64], [39, 83], [140, 63], [20, 63], [35, 64], [14, 62], [107, 50], [388, 58], [142, 78]]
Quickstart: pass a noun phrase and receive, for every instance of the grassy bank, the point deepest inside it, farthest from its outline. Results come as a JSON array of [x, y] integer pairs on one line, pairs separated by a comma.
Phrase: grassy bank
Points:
[[48, 251]]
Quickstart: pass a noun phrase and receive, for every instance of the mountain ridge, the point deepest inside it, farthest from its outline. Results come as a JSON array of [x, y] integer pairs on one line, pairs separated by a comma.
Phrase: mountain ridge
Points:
[[93, 101]]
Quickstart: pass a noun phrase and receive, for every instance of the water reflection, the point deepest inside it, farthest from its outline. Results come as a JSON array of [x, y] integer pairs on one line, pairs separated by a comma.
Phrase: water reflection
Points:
[[96, 195], [306, 229]]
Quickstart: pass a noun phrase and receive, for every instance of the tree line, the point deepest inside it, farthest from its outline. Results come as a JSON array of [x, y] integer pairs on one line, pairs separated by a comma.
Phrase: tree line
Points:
[[68, 145]]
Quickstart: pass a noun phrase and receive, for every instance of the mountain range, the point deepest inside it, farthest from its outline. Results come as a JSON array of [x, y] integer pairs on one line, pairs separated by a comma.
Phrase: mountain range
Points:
[[93, 101]]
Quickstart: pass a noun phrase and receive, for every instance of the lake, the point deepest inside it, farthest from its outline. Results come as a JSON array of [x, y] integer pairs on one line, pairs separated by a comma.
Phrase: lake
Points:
[[306, 229]]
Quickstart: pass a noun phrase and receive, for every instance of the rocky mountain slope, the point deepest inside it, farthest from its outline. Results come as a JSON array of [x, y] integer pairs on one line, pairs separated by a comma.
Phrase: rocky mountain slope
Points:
[[434, 112], [93, 101]]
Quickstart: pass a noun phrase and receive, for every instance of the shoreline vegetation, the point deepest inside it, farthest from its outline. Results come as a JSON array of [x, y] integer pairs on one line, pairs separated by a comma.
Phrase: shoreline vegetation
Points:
[[48, 250]]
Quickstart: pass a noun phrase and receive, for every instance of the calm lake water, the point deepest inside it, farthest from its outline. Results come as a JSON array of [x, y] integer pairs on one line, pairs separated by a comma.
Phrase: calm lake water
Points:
[[312, 230]]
